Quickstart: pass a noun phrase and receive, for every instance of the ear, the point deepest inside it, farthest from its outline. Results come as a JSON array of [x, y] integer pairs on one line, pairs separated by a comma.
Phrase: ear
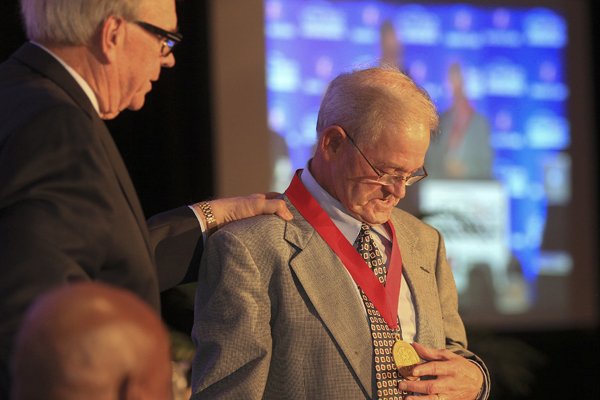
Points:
[[112, 37], [331, 140]]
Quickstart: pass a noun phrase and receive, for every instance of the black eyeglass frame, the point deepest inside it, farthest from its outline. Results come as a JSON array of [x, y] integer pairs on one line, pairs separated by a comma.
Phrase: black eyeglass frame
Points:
[[386, 179], [170, 39]]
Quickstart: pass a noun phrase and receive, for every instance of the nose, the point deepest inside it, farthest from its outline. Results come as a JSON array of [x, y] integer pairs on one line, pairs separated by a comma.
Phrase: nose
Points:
[[168, 61], [398, 189]]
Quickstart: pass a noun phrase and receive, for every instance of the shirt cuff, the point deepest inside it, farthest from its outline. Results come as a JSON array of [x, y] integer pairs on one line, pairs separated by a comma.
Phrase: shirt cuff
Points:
[[201, 222]]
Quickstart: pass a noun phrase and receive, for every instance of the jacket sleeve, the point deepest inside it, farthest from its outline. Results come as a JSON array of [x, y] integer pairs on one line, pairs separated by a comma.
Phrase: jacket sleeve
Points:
[[176, 239], [232, 323], [456, 339]]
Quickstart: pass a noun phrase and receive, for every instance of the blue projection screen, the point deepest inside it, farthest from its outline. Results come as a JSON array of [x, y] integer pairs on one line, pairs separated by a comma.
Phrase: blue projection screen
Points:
[[500, 168]]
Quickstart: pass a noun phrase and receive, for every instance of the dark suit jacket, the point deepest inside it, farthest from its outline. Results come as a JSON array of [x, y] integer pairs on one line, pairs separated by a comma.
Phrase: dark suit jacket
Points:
[[68, 209], [278, 317]]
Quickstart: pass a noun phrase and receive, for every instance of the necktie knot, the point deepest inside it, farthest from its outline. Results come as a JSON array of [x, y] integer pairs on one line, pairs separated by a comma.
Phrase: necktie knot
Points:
[[371, 253]]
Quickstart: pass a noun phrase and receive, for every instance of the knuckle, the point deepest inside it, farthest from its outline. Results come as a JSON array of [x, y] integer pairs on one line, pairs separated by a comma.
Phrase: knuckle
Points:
[[431, 388], [434, 368]]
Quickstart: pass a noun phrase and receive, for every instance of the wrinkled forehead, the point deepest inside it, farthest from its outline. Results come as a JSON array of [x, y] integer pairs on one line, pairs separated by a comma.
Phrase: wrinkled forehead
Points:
[[411, 135]]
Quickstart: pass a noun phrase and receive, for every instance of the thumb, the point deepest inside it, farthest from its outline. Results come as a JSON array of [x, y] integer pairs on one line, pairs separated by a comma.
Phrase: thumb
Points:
[[278, 206]]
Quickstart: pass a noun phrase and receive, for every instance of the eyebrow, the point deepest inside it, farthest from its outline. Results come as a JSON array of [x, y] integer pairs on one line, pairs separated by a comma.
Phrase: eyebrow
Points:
[[398, 169]]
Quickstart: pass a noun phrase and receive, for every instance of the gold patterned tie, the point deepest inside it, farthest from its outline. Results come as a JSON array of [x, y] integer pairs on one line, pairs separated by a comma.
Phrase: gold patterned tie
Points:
[[386, 373]]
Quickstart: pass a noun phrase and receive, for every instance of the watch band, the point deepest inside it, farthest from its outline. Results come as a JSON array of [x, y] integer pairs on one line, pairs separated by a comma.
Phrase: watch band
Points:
[[211, 221]]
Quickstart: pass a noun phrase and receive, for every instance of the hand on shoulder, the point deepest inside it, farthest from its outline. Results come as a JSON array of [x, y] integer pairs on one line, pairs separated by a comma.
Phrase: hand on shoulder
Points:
[[231, 209]]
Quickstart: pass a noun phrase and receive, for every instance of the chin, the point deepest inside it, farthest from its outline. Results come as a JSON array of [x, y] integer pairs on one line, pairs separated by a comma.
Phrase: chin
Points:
[[379, 219], [381, 216], [109, 115], [137, 102], [136, 106], [372, 217]]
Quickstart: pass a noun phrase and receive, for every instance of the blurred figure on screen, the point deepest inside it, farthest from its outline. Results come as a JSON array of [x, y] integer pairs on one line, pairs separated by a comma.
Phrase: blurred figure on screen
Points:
[[462, 150], [94, 342], [390, 46], [314, 307]]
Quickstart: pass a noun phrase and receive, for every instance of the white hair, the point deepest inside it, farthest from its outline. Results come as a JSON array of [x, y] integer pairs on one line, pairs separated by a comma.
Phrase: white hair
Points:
[[365, 102], [71, 22]]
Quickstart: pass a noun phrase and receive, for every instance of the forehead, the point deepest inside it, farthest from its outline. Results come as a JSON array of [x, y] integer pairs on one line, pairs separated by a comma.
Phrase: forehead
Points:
[[401, 148], [158, 12]]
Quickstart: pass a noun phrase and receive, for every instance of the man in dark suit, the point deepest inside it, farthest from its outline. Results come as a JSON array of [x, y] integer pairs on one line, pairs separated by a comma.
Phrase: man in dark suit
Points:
[[68, 209], [291, 310]]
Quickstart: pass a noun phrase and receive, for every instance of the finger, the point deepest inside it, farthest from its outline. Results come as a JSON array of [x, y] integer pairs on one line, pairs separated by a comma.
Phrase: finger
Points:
[[423, 387], [434, 368], [278, 207], [423, 397], [429, 353], [280, 210]]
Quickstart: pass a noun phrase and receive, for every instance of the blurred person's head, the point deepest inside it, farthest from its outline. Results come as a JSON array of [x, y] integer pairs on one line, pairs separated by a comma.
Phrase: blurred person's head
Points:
[[118, 46], [373, 129], [91, 341], [456, 81], [392, 51]]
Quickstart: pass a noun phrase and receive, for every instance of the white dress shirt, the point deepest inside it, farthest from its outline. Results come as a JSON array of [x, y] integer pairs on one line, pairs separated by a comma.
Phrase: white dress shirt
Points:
[[350, 227]]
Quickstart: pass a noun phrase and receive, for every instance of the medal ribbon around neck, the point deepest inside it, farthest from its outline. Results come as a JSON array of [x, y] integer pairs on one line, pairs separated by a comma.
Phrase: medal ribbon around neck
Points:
[[384, 297]]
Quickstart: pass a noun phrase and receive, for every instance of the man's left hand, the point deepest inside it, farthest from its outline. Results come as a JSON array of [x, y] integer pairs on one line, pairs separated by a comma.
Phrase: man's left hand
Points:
[[452, 377]]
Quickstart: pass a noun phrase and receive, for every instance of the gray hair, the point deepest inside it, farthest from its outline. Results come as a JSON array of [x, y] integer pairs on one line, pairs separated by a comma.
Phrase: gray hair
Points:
[[71, 22], [365, 102]]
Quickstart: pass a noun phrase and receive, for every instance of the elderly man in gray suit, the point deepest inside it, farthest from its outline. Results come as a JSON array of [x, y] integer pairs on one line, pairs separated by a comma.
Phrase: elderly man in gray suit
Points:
[[325, 306]]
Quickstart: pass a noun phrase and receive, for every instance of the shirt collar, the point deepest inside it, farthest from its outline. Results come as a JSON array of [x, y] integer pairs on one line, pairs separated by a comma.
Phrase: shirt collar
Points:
[[78, 78], [345, 222]]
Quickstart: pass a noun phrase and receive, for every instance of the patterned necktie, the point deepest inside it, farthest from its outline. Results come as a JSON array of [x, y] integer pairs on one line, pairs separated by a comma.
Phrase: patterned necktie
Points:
[[383, 337]]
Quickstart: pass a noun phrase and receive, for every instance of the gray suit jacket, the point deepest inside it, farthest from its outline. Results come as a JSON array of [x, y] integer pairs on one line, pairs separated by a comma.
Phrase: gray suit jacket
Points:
[[278, 317]]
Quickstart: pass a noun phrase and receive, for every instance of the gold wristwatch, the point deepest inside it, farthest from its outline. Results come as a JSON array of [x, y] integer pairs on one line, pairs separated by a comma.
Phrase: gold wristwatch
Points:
[[211, 221]]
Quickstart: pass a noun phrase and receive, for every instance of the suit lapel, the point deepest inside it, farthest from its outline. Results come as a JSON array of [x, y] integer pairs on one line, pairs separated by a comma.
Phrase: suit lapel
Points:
[[120, 170], [334, 295], [417, 274]]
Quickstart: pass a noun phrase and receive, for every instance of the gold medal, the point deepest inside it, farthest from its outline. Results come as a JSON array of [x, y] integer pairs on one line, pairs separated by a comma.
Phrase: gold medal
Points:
[[405, 357]]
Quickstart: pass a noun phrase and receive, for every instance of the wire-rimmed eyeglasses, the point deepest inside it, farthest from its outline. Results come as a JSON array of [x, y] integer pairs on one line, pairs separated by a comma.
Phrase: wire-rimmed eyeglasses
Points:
[[386, 179]]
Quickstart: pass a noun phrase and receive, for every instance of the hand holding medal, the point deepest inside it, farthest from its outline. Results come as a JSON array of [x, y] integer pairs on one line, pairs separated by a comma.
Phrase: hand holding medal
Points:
[[447, 376], [405, 358]]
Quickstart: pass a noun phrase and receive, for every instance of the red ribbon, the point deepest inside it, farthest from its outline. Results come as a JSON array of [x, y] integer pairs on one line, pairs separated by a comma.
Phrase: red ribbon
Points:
[[384, 297]]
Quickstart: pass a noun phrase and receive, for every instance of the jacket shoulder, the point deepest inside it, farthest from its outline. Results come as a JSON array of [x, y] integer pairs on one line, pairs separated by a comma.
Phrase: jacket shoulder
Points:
[[411, 222], [254, 227]]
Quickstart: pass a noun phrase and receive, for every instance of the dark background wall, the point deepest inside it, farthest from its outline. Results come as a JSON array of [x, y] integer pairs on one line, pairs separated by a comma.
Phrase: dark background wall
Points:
[[167, 147]]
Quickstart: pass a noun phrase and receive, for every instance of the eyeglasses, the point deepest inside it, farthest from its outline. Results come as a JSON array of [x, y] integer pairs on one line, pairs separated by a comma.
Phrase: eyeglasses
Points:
[[169, 39], [390, 179]]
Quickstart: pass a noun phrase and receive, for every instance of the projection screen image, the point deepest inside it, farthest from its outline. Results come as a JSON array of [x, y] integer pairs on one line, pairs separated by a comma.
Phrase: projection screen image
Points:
[[499, 185]]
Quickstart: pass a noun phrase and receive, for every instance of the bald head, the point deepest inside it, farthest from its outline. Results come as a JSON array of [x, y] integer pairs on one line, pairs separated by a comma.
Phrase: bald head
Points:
[[91, 341]]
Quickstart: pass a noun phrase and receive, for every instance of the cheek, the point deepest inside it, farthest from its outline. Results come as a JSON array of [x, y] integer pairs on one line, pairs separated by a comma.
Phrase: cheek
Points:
[[360, 194]]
